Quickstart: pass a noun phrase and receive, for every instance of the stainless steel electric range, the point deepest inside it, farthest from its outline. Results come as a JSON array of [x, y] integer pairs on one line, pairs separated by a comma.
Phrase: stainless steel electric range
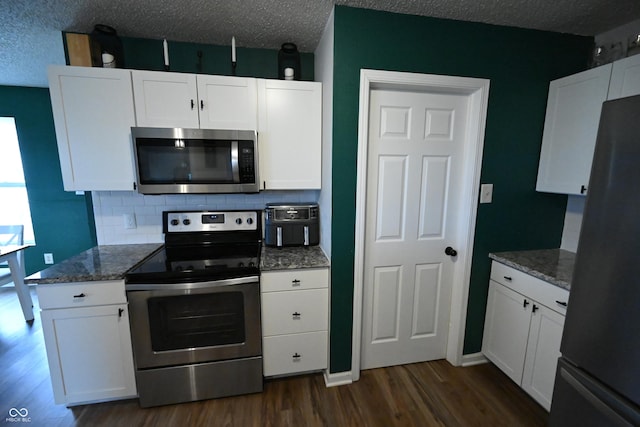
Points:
[[195, 309]]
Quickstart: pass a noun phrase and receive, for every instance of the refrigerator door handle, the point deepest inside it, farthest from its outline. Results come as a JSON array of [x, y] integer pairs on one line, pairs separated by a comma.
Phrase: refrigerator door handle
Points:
[[590, 393]]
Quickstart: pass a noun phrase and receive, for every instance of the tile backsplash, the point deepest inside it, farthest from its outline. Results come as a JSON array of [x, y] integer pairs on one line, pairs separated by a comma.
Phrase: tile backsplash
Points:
[[572, 223], [110, 209]]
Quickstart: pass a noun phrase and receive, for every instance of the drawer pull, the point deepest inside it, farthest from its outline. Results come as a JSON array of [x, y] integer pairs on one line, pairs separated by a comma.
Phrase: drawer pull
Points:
[[525, 304], [296, 316], [562, 303], [534, 308], [507, 278], [296, 357], [295, 282], [120, 311], [82, 295]]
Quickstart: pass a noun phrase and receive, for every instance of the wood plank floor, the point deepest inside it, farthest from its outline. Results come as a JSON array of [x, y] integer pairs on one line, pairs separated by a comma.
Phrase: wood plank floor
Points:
[[422, 394]]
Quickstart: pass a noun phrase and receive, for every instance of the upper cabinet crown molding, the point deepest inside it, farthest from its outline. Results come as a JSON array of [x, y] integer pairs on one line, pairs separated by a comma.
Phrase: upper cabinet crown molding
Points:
[[571, 123]]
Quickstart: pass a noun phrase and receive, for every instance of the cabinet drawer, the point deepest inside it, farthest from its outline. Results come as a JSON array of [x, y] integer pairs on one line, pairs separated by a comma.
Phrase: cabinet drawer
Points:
[[531, 287], [83, 294], [284, 280], [288, 354], [294, 311]]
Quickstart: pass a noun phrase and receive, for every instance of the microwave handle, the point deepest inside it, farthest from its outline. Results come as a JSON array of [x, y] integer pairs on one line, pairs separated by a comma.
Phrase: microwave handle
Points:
[[306, 235], [279, 237], [235, 167]]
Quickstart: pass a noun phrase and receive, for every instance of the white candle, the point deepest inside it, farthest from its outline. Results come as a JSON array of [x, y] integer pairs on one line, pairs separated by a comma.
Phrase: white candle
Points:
[[165, 48], [233, 49]]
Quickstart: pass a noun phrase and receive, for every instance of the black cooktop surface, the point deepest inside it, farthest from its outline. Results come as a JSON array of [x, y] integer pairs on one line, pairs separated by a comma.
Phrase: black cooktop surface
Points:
[[198, 263]]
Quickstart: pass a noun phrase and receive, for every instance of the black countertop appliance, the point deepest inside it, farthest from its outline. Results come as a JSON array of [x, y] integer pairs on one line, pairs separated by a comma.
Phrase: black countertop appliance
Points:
[[292, 224]]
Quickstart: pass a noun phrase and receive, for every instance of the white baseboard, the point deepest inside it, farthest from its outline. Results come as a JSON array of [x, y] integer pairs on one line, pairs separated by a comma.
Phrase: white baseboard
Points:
[[337, 379], [473, 359]]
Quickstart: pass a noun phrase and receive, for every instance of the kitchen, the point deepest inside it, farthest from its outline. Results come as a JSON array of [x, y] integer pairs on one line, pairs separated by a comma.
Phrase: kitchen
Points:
[[506, 56]]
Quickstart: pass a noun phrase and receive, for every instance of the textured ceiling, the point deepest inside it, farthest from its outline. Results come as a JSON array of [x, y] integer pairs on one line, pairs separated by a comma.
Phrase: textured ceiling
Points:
[[30, 33]]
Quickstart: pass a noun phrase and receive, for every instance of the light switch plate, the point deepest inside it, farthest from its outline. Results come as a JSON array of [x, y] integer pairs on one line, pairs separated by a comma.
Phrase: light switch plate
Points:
[[486, 193]]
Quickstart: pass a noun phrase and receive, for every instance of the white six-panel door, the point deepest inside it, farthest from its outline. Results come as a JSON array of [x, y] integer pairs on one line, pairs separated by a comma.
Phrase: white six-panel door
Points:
[[413, 199]]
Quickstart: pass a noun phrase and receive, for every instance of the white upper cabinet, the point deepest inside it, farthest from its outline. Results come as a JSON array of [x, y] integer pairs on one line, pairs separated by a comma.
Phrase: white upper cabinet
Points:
[[165, 99], [571, 123], [93, 115], [570, 129], [227, 102], [194, 101], [625, 78], [290, 134]]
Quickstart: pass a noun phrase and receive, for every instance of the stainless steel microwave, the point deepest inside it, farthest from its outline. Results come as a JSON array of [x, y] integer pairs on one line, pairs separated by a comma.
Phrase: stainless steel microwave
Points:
[[195, 161]]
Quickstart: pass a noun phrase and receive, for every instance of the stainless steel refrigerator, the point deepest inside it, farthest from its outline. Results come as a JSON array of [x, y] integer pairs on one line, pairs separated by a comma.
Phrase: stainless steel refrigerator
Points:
[[598, 376]]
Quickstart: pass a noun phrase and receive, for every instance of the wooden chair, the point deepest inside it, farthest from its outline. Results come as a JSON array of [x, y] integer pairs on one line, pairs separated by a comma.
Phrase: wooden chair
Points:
[[10, 235]]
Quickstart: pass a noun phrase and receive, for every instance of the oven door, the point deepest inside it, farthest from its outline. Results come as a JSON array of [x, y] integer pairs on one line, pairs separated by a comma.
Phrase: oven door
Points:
[[195, 322]]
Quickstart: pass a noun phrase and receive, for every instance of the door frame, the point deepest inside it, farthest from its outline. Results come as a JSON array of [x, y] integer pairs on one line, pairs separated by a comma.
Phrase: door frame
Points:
[[478, 92]]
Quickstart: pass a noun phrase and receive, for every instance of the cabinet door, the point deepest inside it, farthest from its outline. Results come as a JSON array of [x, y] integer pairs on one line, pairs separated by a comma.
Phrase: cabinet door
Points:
[[290, 134], [625, 78], [543, 351], [93, 114], [89, 353], [506, 329], [227, 102], [165, 99], [570, 129]]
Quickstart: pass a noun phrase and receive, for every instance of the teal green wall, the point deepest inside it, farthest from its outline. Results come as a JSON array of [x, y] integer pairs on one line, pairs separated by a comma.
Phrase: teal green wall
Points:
[[520, 63], [62, 221], [146, 54]]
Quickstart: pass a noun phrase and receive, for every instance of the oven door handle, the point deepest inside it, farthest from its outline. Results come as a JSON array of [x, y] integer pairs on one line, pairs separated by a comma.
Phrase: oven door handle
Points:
[[190, 285]]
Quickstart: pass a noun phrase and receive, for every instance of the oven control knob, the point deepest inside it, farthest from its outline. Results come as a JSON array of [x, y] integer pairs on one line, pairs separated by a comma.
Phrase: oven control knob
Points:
[[186, 221], [239, 221], [241, 264], [175, 222], [249, 221]]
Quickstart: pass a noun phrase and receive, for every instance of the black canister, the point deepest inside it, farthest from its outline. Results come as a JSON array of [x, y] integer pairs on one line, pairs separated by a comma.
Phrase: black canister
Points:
[[109, 42], [289, 57]]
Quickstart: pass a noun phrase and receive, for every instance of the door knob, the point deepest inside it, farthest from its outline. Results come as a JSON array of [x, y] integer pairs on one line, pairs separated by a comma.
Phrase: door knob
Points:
[[450, 251]]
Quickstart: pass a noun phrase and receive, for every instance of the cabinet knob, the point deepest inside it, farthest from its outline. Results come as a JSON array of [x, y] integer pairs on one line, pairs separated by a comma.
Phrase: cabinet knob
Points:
[[507, 278], [583, 189], [562, 303], [296, 357], [296, 315], [120, 311], [193, 104], [82, 295], [295, 282], [201, 104], [525, 304], [534, 308]]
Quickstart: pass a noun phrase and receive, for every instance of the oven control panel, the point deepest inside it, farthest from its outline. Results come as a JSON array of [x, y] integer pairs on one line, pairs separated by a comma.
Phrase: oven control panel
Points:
[[199, 221]]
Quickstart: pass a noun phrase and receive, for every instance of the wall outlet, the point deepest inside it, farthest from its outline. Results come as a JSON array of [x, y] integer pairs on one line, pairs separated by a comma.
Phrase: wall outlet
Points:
[[486, 193], [129, 220], [48, 258]]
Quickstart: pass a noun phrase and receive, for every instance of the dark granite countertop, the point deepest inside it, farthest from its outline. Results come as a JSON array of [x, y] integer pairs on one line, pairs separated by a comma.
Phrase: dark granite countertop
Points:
[[292, 257], [108, 262], [551, 265]]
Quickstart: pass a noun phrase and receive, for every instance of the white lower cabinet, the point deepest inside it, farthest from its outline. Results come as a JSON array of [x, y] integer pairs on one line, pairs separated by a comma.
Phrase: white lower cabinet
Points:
[[522, 333], [295, 318], [88, 342]]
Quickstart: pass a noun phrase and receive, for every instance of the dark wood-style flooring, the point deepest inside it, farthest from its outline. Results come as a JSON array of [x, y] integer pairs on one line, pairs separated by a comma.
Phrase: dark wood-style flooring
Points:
[[422, 394]]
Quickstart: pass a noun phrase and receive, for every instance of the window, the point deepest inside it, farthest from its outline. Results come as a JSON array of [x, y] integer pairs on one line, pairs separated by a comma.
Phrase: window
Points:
[[13, 192]]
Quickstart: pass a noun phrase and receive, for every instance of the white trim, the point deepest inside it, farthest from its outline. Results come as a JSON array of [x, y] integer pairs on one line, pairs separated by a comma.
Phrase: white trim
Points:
[[337, 379], [478, 92], [473, 359]]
